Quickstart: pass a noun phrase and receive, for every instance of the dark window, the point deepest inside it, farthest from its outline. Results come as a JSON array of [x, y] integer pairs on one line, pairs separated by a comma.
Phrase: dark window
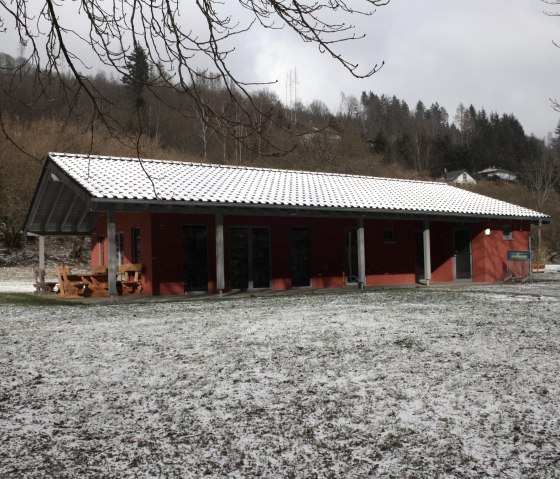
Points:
[[389, 235], [119, 243], [508, 232], [136, 258]]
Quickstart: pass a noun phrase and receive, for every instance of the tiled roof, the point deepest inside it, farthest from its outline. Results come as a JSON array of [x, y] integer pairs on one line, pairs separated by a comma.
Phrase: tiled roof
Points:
[[451, 175], [197, 183]]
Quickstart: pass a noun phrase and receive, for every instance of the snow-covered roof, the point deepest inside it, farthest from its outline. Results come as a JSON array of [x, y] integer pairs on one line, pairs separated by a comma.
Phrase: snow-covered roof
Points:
[[451, 175], [198, 184]]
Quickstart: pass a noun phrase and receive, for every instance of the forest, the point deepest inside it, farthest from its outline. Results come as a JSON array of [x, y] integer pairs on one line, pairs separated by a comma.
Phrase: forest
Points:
[[375, 134]]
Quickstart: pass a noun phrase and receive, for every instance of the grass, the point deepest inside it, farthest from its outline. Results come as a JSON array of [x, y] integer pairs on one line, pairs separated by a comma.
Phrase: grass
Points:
[[29, 299]]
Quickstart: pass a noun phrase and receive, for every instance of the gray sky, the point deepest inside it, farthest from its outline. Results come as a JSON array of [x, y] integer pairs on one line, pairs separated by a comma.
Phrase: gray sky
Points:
[[496, 54]]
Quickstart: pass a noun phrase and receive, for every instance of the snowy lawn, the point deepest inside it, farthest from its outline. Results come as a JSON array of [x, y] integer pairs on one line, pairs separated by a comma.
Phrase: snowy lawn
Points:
[[392, 383]]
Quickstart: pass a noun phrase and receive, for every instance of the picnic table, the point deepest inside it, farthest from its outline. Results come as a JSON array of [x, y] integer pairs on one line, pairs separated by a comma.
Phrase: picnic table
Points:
[[96, 282]]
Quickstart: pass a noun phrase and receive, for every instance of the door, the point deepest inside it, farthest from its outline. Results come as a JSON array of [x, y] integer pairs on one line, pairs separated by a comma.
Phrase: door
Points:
[[195, 258], [462, 244], [250, 258], [259, 260], [352, 255], [300, 261], [419, 255]]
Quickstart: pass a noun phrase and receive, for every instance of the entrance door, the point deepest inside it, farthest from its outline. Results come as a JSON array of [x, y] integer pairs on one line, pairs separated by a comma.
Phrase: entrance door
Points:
[[259, 260], [352, 255], [462, 242], [300, 257], [195, 258], [250, 258], [419, 255]]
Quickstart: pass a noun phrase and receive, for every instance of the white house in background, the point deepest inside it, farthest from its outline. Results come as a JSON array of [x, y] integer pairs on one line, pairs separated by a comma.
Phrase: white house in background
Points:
[[494, 173], [458, 177]]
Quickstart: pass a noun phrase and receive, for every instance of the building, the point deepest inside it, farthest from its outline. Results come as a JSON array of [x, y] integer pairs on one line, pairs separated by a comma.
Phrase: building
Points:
[[499, 174], [202, 227], [458, 177]]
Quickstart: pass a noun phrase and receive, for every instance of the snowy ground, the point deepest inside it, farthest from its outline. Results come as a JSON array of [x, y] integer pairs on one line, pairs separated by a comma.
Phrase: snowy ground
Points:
[[392, 383]]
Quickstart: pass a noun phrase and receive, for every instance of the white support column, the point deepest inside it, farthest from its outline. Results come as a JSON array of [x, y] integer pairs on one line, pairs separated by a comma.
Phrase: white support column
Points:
[[220, 274], [111, 253], [42, 253], [361, 254], [427, 256]]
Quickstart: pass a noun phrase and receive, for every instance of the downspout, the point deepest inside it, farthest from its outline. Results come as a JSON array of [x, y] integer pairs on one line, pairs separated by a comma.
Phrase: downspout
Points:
[[427, 257]]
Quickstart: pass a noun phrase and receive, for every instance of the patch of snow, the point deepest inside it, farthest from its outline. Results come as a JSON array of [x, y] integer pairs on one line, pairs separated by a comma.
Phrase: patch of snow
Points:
[[16, 287], [393, 383]]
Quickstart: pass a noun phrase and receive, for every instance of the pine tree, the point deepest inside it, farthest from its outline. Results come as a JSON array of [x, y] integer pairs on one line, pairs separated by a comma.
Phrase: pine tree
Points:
[[139, 73]]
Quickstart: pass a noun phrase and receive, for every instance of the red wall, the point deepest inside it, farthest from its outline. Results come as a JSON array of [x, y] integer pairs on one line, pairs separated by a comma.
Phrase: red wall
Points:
[[125, 222], [390, 263], [386, 262], [490, 252]]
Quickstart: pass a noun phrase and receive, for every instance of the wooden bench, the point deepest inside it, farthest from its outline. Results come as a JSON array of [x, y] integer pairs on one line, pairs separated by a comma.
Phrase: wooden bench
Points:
[[131, 280], [70, 286], [42, 286]]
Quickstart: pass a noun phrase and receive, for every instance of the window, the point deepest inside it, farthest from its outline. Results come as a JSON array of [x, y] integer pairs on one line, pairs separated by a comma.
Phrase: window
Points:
[[119, 243], [136, 245], [508, 232], [389, 235]]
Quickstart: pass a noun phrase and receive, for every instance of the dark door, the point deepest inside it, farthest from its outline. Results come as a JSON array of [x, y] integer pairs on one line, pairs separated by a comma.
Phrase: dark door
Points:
[[352, 255], [300, 257], [419, 255], [259, 258], [250, 258], [462, 238], [195, 258], [239, 262]]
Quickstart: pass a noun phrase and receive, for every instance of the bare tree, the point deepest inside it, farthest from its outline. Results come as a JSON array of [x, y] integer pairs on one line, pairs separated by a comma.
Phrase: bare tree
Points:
[[56, 46], [541, 177], [421, 152], [555, 12]]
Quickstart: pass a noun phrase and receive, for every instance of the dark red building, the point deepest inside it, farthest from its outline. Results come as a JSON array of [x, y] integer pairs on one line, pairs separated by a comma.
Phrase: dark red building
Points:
[[200, 227]]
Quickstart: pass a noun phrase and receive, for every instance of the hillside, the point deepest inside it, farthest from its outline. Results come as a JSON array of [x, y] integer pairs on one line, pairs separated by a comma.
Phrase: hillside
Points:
[[375, 135]]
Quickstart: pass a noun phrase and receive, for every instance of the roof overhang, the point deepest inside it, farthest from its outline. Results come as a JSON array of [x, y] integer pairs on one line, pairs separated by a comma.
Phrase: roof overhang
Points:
[[102, 205], [59, 206]]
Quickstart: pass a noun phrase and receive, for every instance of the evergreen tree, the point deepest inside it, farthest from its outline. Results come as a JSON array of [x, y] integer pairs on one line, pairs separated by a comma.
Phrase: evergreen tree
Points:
[[139, 73]]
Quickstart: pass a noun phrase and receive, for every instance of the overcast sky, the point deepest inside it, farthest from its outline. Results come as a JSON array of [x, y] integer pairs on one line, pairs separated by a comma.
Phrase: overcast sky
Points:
[[493, 54], [496, 54]]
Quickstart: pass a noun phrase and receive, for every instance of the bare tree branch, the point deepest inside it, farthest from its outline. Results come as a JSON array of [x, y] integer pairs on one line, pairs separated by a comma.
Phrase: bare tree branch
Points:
[[177, 45]]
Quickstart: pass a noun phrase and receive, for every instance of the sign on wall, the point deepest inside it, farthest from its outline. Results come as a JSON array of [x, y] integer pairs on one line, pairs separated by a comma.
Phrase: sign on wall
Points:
[[519, 256]]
